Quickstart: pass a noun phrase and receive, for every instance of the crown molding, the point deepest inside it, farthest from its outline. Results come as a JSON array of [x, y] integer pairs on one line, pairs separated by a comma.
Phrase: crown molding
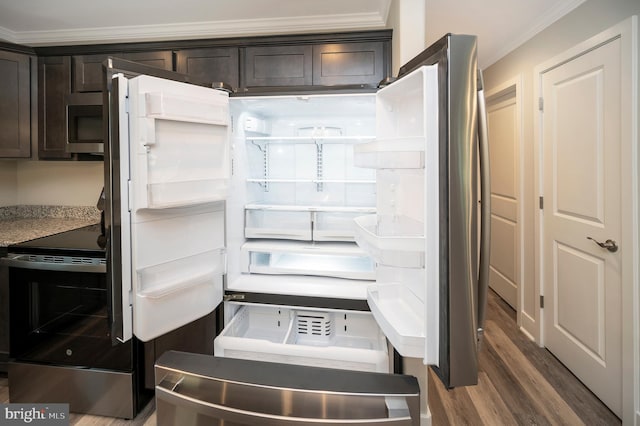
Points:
[[551, 16], [7, 35], [196, 30]]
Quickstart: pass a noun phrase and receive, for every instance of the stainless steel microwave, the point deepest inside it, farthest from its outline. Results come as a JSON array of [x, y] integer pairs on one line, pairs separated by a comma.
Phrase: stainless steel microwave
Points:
[[84, 123]]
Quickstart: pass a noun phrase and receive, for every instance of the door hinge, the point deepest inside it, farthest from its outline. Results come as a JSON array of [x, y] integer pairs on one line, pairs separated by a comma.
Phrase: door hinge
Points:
[[541, 104], [541, 203], [541, 301]]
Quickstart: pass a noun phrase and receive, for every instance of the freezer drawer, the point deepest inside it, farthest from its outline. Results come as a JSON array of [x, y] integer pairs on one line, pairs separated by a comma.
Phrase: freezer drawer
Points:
[[202, 390], [347, 340]]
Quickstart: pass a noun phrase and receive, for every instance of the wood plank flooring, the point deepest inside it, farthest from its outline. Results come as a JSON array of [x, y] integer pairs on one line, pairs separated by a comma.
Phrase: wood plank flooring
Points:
[[519, 384]]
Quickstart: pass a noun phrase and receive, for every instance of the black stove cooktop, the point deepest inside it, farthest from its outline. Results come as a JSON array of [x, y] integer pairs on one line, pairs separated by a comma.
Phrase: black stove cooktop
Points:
[[84, 242]]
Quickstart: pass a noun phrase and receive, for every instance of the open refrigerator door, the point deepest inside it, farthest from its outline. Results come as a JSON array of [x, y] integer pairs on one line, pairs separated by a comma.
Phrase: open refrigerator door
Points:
[[174, 145], [403, 237]]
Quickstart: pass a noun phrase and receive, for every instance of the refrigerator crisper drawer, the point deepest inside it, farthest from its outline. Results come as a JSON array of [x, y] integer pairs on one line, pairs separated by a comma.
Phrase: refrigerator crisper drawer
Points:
[[202, 390], [278, 257], [302, 223], [346, 340]]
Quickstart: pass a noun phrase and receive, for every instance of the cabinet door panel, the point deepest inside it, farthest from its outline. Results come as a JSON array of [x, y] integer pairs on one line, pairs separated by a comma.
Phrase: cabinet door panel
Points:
[[15, 105], [54, 84], [348, 63], [87, 72], [87, 69], [160, 59], [278, 66], [209, 65]]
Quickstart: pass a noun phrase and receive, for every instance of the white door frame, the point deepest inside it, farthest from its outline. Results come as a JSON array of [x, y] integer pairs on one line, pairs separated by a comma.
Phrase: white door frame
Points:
[[628, 33], [512, 88]]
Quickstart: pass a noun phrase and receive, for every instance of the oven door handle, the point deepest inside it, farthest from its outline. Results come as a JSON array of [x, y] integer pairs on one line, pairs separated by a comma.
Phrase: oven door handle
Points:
[[26, 261]]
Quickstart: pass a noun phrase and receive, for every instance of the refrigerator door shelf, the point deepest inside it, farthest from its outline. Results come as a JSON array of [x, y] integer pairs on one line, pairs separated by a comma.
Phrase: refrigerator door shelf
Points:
[[178, 276], [164, 171], [339, 260], [401, 316], [402, 250], [401, 153], [337, 339], [168, 106]]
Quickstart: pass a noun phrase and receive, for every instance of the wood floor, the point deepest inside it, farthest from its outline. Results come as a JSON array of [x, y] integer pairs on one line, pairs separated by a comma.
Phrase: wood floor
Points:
[[519, 384]]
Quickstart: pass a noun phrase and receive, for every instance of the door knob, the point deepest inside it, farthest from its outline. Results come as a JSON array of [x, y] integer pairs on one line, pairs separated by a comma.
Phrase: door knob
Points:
[[609, 244]]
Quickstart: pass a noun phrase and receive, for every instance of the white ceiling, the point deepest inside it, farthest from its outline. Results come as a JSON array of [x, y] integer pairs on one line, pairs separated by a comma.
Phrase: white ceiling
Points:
[[501, 25]]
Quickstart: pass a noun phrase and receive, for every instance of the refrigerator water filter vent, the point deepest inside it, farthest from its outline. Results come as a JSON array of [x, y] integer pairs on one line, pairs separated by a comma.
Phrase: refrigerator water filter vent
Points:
[[314, 326]]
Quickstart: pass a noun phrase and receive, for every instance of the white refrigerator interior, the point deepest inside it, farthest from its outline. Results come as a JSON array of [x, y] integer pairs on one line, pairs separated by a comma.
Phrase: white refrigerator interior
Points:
[[175, 139], [294, 194]]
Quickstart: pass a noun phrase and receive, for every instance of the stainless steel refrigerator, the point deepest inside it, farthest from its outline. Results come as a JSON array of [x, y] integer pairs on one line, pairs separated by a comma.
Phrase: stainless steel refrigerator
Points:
[[331, 230]]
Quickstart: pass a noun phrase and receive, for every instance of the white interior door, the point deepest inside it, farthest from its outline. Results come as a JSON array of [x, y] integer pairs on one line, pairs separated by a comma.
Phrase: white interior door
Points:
[[581, 132], [176, 145], [502, 115]]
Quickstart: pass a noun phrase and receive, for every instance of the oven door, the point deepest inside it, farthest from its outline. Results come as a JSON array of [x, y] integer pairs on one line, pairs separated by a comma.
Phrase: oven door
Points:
[[58, 313]]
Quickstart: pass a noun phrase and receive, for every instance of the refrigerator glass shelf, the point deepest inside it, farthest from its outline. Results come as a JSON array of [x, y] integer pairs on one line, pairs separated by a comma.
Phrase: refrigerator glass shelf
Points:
[[402, 250], [399, 153], [400, 315], [315, 181], [314, 208], [310, 139]]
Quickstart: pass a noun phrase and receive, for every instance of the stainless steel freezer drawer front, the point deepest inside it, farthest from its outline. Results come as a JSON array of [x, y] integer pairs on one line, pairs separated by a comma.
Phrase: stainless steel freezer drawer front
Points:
[[203, 390]]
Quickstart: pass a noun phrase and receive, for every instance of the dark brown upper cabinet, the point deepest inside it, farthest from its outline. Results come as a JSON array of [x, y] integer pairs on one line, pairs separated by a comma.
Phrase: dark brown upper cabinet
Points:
[[54, 84], [15, 105], [278, 66], [210, 65], [349, 64], [87, 69]]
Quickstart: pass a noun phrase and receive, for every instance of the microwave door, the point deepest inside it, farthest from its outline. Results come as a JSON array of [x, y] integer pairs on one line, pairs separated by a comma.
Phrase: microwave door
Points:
[[174, 172]]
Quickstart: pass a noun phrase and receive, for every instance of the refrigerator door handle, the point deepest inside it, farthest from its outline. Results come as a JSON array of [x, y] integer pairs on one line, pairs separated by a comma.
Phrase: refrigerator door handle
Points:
[[485, 196], [171, 395]]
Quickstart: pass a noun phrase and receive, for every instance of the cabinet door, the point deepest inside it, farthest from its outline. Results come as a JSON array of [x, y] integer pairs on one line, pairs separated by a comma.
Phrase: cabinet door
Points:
[[209, 65], [87, 69], [278, 66], [160, 59], [349, 63], [87, 72], [54, 84], [15, 105]]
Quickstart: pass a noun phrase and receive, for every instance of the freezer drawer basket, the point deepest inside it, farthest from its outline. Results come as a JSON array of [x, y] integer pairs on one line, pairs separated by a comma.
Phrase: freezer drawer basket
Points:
[[337, 339]]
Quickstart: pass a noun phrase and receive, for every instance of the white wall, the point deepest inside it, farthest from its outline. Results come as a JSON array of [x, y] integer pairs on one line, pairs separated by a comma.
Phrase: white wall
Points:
[[407, 18], [65, 183], [8, 183], [587, 20]]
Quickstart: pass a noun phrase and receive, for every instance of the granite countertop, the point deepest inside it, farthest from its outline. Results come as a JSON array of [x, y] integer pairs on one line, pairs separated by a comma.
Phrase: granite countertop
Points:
[[23, 223]]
